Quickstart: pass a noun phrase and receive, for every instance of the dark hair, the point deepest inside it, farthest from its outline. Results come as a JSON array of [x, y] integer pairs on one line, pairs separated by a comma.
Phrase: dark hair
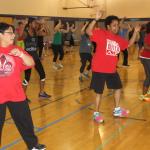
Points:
[[30, 21], [19, 23], [56, 23], [148, 27], [110, 19], [5, 26]]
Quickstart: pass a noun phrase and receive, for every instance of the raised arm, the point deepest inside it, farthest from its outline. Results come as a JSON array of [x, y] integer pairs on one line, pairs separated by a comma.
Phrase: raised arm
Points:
[[67, 30], [129, 27], [73, 28], [99, 15], [122, 21], [58, 26], [84, 27], [135, 33]]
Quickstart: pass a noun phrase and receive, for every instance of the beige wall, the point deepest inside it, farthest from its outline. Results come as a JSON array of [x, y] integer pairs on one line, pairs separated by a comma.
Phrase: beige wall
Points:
[[47, 8], [29, 7], [129, 8]]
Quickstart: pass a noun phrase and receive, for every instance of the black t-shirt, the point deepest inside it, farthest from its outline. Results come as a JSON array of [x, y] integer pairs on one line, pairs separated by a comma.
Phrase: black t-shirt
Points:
[[31, 44]]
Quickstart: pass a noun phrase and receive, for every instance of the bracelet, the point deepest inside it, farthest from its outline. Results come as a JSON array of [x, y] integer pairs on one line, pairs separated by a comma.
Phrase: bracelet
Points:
[[21, 54]]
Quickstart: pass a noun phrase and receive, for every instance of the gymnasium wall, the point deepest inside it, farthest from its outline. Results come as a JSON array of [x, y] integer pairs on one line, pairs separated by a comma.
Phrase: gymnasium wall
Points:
[[47, 8], [129, 8], [29, 7]]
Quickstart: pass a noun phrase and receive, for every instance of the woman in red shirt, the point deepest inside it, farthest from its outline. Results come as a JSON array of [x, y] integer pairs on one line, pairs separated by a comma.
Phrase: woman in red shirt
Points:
[[14, 60], [145, 60]]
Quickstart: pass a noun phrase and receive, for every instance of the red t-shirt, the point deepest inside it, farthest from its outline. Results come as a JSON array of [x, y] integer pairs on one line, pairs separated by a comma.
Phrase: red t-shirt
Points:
[[108, 46], [11, 68], [146, 53]]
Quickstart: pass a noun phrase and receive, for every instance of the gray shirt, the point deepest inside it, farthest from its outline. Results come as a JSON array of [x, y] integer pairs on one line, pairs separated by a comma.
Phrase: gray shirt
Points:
[[85, 44]]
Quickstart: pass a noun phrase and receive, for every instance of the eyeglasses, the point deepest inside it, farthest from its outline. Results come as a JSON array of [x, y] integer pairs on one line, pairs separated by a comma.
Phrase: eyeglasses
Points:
[[11, 33]]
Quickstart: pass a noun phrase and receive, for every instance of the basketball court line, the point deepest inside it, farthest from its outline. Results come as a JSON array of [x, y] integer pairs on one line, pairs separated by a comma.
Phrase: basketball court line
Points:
[[40, 129]]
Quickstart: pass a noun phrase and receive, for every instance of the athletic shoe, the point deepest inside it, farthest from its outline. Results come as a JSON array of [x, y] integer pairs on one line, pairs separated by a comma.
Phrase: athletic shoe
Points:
[[60, 65], [81, 79], [97, 117], [86, 75], [28, 100], [120, 112], [55, 67], [148, 92], [25, 82], [125, 65], [44, 95], [39, 147], [144, 98]]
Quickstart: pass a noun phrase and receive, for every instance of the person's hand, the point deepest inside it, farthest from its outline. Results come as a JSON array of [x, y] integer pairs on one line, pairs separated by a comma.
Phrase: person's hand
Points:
[[67, 23], [99, 15], [87, 22], [125, 17], [59, 21], [16, 52], [137, 28]]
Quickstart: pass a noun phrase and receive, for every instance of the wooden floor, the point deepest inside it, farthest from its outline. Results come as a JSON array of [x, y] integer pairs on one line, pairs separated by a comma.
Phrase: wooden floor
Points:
[[65, 122]]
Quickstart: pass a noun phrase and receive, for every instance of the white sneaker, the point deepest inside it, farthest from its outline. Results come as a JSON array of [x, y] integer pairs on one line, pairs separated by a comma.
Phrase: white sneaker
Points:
[[55, 67], [120, 112], [85, 75], [60, 65], [39, 147]]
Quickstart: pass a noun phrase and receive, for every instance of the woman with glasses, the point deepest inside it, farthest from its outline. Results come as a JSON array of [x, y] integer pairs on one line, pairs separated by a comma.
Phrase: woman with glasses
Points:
[[14, 60]]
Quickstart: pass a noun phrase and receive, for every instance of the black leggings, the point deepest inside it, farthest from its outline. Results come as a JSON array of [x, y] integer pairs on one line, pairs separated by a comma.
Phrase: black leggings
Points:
[[85, 57], [71, 41], [125, 57], [40, 50], [58, 50], [146, 65], [38, 67], [21, 115]]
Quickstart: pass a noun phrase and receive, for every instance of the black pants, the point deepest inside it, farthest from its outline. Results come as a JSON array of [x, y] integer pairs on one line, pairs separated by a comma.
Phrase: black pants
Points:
[[58, 50], [71, 41], [146, 65], [98, 81], [38, 67], [125, 57], [40, 49], [85, 57], [21, 115]]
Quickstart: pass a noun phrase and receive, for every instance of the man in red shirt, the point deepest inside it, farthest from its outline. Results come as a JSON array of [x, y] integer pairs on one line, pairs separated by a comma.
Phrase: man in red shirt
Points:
[[109, 44], [14, 60]]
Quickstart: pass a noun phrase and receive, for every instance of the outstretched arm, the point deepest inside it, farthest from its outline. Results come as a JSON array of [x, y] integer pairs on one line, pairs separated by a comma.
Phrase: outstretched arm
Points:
[[67, 30], [135, 33], [92, 24], [122, 21], [129, 27], [58, 26], [83, 28], [73, 29]]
